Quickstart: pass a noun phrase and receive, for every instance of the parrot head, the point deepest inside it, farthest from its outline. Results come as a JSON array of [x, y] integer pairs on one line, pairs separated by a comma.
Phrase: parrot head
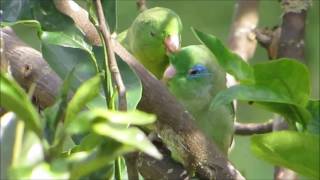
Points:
[[194, 77], [154, 34]]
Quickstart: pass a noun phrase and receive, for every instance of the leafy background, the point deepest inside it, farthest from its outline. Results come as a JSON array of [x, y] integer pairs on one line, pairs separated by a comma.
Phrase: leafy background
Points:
[[215, 17]]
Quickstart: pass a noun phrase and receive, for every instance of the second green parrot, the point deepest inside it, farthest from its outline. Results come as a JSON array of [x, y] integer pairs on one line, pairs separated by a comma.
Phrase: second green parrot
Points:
[[195, 77], [152, 36]]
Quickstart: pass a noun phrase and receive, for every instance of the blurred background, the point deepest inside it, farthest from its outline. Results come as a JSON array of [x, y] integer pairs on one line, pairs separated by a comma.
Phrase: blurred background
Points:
[[215, 17]]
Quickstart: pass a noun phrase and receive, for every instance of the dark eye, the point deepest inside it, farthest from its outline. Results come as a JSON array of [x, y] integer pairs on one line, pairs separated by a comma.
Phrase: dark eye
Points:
[[198, 71], [152, 34]]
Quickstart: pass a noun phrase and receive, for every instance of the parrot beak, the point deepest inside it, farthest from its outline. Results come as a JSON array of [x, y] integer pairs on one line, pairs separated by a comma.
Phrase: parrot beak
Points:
[[168, 73], [172, 43]]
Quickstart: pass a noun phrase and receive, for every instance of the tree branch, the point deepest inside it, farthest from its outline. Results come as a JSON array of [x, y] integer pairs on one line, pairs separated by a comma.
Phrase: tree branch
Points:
[[287, 41], [27, 67], [174, 123], [114, 69], [253, 128]]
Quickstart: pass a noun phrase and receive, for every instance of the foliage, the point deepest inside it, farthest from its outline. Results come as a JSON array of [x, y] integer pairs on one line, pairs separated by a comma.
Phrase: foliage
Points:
[[283, 87], [82, 136], [94, 134]]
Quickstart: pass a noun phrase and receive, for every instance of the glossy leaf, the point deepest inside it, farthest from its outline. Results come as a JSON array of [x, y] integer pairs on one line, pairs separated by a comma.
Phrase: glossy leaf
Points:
[[130, 136], [294, 150], [286, 77], [13, 98], [231, 62], [83, 121], [86, 162], [86, 92], [73, 40], [50, 18], [27, 31], [281, 86]]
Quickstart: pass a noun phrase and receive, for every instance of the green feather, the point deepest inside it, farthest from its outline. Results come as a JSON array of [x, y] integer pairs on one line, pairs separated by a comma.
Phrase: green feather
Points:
[[197, 81], [145, 37]]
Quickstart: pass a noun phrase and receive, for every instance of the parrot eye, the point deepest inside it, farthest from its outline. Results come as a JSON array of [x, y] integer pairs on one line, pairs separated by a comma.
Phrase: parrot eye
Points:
[[198, 71]]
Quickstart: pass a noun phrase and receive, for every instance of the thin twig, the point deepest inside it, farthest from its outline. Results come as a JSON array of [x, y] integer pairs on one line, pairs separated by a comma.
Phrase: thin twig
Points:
[[111, 57], [253, 128], [291, 44]]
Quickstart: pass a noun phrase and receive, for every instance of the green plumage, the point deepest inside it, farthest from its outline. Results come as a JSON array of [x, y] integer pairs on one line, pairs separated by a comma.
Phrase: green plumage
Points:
[[197, 80], [145, 37]]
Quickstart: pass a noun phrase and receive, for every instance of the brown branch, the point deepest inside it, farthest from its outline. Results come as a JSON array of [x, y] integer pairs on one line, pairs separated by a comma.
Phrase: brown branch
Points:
[[81, 18], [269, 39], [253, 128], [174, 124], [166, 168], [291, 44], [115, 73], [27, 67], [286, 41], [142, 5]]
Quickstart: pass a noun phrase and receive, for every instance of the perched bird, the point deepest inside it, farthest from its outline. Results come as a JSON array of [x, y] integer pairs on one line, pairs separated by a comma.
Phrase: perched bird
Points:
[[152, 36], [194, 78]]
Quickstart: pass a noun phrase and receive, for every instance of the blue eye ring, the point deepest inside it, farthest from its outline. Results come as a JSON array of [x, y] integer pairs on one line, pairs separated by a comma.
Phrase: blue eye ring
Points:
[[198, 70]]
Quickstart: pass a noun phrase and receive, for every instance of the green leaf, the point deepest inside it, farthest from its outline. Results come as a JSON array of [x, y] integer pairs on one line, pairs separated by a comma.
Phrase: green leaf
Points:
[[84, 163], [110, 12], [130, 79], [56, 170], [13, 98], [50, 18], [286, 77], [130, 136], [27, 31], [84, 120], [84, 94], [294, 150], [73, 40], [230, 61], [63, 59], [281, 86], [314, 109]]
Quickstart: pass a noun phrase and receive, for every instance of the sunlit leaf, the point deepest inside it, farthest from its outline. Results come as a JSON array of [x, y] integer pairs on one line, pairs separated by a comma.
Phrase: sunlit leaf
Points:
[[130, 136], [230, 61], [294, 150], [286, 77], [13, 98], [86, 92], [86, 162]]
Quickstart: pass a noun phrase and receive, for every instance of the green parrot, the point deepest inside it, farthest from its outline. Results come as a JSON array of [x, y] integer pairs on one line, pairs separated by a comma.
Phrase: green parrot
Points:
[[194, 78], [153, 34]]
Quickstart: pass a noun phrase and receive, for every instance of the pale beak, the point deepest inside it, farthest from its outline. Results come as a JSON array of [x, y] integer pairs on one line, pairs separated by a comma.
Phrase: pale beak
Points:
[[172, 43], [169, 73]]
